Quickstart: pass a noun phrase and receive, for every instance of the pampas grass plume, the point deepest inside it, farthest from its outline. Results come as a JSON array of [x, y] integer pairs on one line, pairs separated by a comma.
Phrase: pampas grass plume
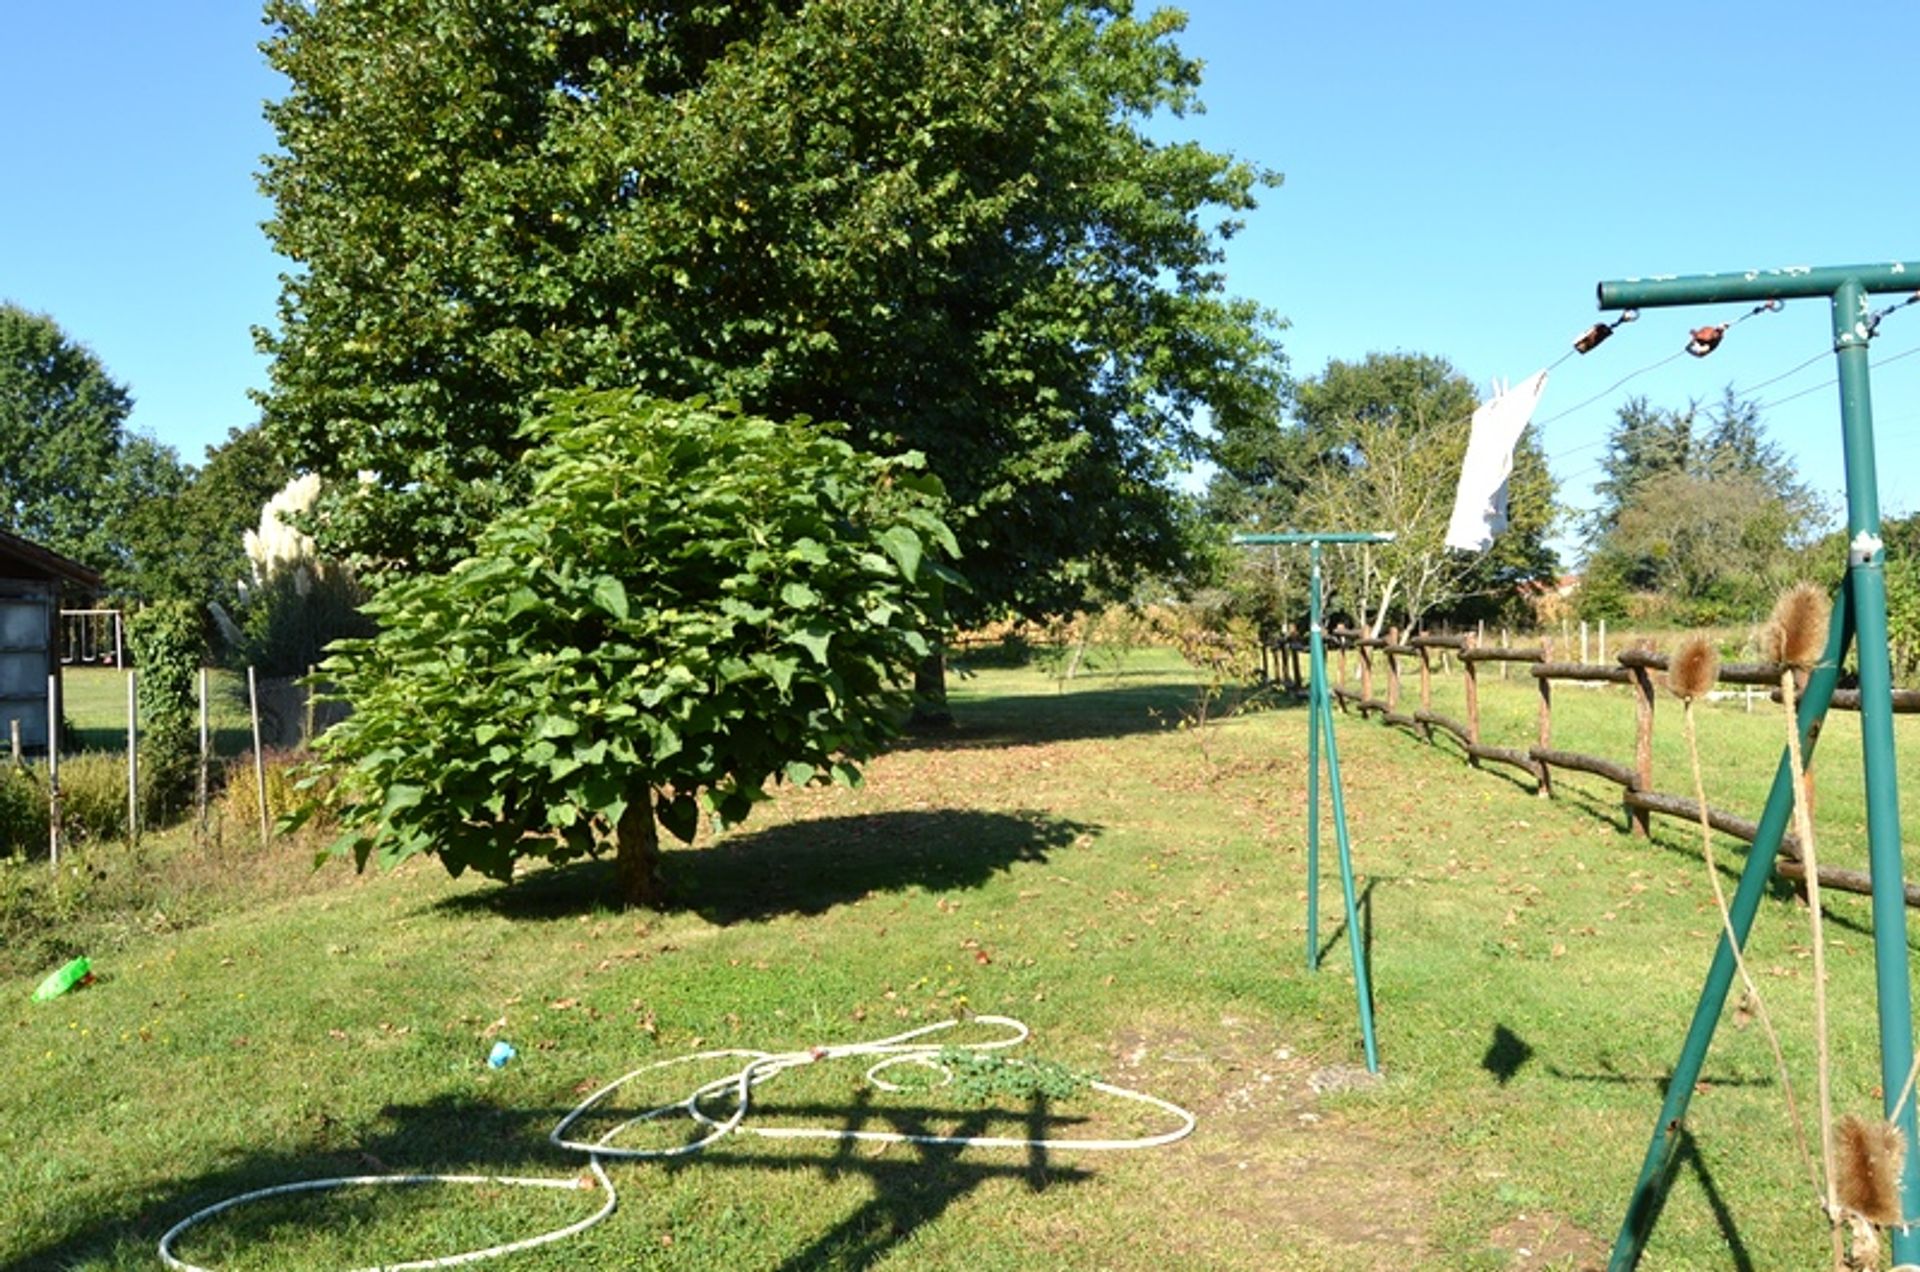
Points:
[[1694, 669], [1797, 635], [1866, 1175]]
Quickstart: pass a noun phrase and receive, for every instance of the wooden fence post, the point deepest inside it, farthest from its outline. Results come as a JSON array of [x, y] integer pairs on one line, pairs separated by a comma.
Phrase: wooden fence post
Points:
[[133, 758], [259, 759], [1393, 670], [1546, 718], [1366, 670], [206, 752], [53, 768], [1426, 690], [1471, 670], [1505, 641], [1640, 818], [1583, 641]]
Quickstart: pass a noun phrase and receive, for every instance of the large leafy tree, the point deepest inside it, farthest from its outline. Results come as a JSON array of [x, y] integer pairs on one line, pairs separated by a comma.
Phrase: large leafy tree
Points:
[[1697, 504], [691, 603], [1376, 445], [183, 536], [69, 470], [940, 221]]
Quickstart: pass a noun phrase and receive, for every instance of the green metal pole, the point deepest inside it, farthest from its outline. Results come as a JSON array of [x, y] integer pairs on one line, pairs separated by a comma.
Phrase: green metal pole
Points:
[[1354, 943], [1867, 588], [1316, 686], [1320, 709], [1656, 1171], [1796, 281]]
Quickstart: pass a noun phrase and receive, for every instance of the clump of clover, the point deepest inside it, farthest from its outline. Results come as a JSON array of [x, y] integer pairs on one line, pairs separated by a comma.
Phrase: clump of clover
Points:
[[691, 604]]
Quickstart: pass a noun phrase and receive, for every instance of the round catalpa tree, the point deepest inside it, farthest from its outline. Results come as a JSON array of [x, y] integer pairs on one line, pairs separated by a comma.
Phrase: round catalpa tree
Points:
[[692, 605]]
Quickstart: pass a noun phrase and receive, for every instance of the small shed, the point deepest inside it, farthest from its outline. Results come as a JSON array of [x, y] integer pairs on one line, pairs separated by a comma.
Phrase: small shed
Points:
[[34, 584]]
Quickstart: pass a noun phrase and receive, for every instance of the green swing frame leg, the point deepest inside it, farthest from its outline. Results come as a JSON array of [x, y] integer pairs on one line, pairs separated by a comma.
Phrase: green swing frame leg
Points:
[[1319, 727], [1320, 711], [1860, 622], [1656, 1173]]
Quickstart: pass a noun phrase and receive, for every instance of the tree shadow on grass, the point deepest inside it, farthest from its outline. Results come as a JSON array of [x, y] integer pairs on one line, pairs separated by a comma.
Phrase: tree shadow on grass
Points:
[[460, 1134], [803, 867], [1073, 715]]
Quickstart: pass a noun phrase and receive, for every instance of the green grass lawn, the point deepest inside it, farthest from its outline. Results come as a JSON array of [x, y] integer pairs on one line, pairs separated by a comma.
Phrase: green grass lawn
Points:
[[96, 707], [1070, 855]]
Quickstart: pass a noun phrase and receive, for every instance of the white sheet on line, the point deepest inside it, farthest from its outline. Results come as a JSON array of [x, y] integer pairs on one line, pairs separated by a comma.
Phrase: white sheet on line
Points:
[[1480, 500]]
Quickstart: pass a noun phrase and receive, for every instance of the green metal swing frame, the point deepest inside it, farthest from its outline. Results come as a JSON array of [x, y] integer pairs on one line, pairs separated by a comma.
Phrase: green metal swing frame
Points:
[[1320, 725], [1860, 624]]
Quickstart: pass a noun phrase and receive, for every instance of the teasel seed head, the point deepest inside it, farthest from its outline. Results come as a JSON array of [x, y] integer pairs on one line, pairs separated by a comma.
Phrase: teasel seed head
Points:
[[1694, 669], [1797, 635], [1866, 1172]]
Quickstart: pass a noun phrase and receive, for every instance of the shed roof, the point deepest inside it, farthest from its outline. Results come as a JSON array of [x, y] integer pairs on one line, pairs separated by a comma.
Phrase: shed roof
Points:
[[25, 558]]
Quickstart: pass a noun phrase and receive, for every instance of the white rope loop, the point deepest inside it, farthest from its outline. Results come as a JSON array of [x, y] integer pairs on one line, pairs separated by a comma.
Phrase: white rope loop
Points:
[[168, 1257], [760, 1066]]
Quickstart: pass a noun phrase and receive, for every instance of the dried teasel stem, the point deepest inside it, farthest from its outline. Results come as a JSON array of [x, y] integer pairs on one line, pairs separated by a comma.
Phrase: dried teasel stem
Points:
[[1691, 676], [1797, 636]]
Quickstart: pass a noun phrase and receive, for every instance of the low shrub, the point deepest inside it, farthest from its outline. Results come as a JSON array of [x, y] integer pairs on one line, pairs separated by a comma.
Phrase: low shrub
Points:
[[23, 811], [93, 802], [236, 810]]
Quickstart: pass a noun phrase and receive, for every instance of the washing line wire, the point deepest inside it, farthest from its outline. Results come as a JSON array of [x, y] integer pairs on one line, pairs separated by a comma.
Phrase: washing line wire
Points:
[[1748, 389], [1741, 391], [1830, 381], [1623, 380]]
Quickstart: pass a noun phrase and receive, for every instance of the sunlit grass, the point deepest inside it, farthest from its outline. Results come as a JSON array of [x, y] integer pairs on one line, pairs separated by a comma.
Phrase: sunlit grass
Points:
[[1069, 855]]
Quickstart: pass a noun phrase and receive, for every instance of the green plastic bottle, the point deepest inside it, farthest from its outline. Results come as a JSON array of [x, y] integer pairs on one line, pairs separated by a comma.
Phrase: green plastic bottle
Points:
[[63, 980]]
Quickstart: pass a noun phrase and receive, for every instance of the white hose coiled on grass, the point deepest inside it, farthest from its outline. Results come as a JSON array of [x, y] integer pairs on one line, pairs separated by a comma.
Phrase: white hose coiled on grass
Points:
[[760, 1067]]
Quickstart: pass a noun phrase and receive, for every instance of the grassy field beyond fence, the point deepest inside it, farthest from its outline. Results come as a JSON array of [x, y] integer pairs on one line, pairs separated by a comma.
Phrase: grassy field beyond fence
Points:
[[1070, 855]]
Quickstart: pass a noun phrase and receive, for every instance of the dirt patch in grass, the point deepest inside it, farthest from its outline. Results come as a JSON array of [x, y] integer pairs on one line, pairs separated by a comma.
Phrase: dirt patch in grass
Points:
[[1302, 1179], [1276, 1160], [1540, 1239]]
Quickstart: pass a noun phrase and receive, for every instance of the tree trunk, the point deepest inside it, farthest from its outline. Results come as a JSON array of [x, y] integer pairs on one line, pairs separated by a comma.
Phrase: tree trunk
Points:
[[930, 691], [636, 860]]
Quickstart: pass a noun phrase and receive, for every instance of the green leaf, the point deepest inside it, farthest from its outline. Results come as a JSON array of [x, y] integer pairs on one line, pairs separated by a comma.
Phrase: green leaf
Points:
[[800, 773], [799, 596], [778, 668], [681, 816], [401, 796], [610, 594], [556, 726], [903, 545], [814, 638]]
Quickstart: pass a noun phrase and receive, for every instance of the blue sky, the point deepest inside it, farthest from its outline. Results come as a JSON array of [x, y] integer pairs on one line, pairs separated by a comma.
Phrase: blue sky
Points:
[[1457, 179]]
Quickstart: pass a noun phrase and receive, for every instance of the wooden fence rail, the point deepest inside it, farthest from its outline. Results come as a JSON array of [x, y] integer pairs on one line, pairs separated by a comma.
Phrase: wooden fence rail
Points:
[[1634, 667]]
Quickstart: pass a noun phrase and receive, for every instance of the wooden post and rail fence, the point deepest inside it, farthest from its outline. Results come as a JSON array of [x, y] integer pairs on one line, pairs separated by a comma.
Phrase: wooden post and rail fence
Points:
[[1381, 659]]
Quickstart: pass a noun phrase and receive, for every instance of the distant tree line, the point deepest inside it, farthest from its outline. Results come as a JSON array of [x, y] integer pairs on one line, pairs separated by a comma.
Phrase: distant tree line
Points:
[[77, 480]]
